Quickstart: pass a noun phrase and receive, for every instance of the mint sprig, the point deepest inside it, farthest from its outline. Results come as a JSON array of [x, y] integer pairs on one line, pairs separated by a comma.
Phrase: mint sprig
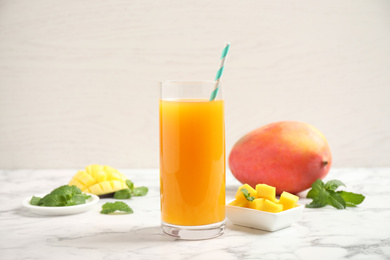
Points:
[[326, 194], [247, 195], [130, 191], [351, 199], [60, 197], [123, 194], [111, 207], [140, 191]]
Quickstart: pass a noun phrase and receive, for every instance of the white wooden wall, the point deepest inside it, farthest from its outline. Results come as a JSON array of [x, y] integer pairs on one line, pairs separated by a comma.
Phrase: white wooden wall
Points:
[[79, 79]]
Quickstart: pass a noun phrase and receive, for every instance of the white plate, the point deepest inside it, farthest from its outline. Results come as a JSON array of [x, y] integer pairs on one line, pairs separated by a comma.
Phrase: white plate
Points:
[[56, 211], [261, 219]]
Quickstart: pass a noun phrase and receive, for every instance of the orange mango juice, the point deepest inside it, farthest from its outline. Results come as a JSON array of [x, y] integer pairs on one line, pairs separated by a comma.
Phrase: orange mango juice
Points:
[[192, 161]]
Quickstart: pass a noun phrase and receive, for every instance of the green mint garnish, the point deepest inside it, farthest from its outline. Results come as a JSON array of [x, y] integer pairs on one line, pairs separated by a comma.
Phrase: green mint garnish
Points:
[[62, 196], [326, 194], [140, 191], [130, 191], [53, 201], [35, 201], [130, 184], [123, 194], [247, 195], [110, 207], [333, 185], [77, 199], [336, 200], [351, 199]]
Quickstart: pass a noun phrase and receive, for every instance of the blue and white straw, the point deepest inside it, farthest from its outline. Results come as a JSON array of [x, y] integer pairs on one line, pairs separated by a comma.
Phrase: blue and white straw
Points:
[[220, 71]]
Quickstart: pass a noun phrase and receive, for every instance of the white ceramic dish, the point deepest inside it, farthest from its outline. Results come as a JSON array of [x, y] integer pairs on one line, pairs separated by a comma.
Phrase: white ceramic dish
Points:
[[57, 211], [261, 219]]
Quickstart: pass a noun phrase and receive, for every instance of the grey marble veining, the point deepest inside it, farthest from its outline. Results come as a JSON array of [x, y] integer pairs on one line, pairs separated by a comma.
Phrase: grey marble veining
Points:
[[355, 233]]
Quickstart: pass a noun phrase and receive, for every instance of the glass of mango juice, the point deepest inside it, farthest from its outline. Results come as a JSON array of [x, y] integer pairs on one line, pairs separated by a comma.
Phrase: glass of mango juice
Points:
[[192, 160]]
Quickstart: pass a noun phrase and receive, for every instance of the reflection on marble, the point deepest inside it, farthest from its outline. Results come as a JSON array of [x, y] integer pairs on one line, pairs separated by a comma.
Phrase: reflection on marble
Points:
[[355, 233]]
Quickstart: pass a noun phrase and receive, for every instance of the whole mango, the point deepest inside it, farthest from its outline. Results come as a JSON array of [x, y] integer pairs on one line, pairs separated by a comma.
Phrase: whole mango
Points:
[[288, 155]]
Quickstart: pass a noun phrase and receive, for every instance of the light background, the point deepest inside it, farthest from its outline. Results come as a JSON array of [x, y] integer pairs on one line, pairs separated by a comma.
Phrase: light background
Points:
[[79, 79]]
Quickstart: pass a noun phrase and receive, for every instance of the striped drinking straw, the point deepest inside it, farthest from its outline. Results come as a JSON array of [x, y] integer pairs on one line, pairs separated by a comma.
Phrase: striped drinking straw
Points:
[[220, 71]]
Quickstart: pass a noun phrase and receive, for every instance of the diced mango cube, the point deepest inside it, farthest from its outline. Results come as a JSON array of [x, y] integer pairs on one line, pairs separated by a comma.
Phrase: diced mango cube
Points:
[[106, 186], [95, 189], [91, 169], [256, 204], [109, 169], [240, 202], [251, 191], [84, 178], [113, 174], [272, 207], [266, 191], [117, 185], [100, 176], [288, 200]]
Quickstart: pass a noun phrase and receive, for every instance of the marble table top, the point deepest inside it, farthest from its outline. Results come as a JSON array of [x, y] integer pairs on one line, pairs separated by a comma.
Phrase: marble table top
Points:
[[326, 233]]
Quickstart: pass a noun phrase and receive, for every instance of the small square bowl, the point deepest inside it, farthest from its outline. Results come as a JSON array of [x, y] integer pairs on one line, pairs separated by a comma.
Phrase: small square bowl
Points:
[[263, 220]]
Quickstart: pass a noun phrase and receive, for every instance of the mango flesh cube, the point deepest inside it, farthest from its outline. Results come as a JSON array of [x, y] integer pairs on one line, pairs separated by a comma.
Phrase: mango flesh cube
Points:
[[266, 191], [106, 186], [84, 178], [113, 174], [288, 200], [240, 195], [272, 207], [92, 169], [240, 202], [100, 176], [256, 204], [95, 189], [117, 185]]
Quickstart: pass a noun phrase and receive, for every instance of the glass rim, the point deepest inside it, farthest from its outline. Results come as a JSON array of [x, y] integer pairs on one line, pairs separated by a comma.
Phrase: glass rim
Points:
[[188, 82]]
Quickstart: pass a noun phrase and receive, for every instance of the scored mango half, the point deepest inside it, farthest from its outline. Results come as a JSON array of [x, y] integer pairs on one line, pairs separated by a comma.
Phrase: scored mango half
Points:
[[99, 180]]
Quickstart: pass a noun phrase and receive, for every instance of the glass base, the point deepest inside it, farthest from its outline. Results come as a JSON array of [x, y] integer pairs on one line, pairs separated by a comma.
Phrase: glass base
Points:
[[194, 232]]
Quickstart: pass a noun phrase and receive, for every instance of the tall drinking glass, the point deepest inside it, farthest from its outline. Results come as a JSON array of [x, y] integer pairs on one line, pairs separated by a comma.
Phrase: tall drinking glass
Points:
[[192, 160]]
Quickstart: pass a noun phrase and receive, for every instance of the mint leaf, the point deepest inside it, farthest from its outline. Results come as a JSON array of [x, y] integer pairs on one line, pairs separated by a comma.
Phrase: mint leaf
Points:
[[336, 200], [35, 201], [333, 185], [140, 191], [78, 199], [318, 185], [131, 191], [130, 184], [322, 195], [318, 192], [53, 200], [66, 191], [351, 199], [316, 204], [247, 195], [319, 196], [312, 194], [109, 207], [123, 194]]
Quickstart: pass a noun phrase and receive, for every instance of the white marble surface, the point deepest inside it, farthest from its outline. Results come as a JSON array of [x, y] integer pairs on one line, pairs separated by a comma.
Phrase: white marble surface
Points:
[[327, 233]]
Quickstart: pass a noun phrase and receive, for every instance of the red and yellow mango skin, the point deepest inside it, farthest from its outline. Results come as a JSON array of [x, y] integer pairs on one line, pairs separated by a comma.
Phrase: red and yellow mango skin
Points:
[[288, 155]]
